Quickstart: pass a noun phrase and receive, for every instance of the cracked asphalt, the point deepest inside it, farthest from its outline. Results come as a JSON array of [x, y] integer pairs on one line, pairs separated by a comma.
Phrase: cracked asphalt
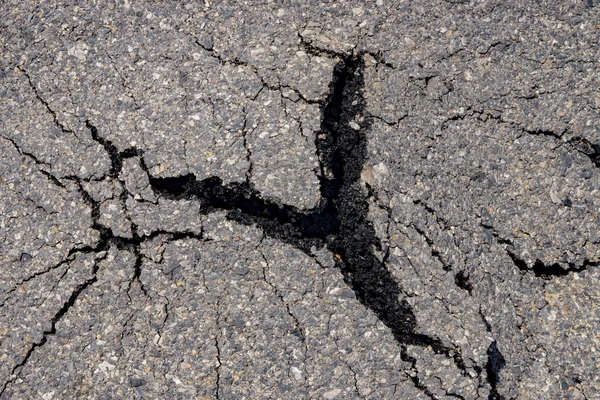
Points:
[[300, 200]]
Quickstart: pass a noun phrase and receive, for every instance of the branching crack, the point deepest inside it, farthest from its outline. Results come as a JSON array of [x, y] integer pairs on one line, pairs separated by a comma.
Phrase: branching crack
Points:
[[340, 221], [70, 302]]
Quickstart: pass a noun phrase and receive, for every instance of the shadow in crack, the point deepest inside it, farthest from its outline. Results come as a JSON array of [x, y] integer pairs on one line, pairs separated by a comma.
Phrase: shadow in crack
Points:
[[495, 363], [340, 220]]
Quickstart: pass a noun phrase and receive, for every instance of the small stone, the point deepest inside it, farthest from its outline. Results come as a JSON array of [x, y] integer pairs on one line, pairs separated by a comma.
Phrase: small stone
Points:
[[354, 126], [357, 11], [554, 197], [367, 175], [79, 51], [332, 394], [240, 269], [297, 373]]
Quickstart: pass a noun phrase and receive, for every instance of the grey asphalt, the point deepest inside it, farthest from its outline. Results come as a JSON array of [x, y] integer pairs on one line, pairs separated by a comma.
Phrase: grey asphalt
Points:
[[300, 200]]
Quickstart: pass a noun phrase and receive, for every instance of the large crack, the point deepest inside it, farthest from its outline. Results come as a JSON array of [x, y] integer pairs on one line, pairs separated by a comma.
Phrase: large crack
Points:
[[339, 222]]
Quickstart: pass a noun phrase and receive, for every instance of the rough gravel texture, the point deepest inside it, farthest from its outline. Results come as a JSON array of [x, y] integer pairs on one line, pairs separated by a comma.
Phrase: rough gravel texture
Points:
[[300, 200]]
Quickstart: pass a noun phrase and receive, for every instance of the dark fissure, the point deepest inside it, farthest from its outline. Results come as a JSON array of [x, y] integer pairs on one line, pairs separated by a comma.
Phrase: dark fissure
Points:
[[339, 222], [495, 363], [547, 272]]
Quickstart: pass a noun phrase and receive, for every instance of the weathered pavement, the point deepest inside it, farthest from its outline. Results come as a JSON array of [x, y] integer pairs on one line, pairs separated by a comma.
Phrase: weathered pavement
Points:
[[217, 200]]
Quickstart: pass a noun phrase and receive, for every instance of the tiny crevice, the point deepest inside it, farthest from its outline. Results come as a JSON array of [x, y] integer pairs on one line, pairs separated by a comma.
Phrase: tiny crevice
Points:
[[547, 272], [219, 363], [58, 124], [458, 117], [414, 377], [434, 252], [318, 51], [79, 289], [279, 88], [577, 143], [541, 270], [494, 45], [27, 154], [222, 60], [137, 270], [355, 376], [297, 331], [217, 369], [488, 327], [378, 56], [70, 257], [385, 121], [237, 62], [545, 132], [455, 395], [248, 152]]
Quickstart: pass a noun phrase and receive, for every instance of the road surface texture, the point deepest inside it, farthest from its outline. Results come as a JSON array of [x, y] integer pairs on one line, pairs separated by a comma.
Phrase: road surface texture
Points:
[[300, 200]]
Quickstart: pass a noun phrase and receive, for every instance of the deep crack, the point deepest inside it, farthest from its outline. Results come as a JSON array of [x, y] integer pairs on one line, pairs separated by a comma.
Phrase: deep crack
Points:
[[339, 222]]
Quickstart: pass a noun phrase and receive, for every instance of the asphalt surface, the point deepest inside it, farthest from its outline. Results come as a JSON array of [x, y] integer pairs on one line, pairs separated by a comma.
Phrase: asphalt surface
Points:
[[300, 200]]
